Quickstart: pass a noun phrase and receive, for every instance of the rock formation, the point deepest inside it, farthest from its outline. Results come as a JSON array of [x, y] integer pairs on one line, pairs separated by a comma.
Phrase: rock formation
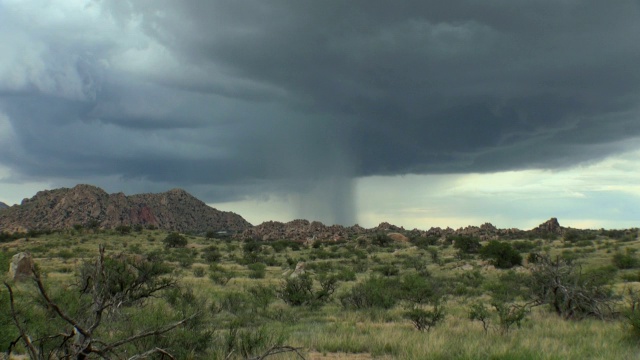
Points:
[[551, 226], [87, 205], [20, 267], [3, 205]]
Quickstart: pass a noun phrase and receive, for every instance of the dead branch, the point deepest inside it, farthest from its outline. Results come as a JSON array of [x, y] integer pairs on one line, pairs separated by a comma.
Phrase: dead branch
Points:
[[54, 306], [23, 334], [144, 335]]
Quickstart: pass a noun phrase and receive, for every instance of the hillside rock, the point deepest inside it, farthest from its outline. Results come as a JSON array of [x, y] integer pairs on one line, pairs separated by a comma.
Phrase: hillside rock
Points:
[[174, 210], [3, 205]]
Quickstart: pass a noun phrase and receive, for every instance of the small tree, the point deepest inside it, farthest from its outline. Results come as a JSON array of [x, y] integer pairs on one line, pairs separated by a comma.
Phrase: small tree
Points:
[[426, 318], [175, 240], [509, 315], [478, 312]]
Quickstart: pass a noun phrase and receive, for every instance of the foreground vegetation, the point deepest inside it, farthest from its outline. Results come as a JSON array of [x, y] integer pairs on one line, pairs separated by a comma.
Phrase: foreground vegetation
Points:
[[135, 293]]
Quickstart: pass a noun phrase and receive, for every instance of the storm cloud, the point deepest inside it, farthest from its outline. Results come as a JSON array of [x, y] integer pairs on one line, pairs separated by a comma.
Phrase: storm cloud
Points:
[[231, 99]]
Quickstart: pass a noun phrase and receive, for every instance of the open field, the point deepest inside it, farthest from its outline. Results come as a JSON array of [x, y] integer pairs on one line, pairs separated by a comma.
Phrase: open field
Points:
[[356, 299]]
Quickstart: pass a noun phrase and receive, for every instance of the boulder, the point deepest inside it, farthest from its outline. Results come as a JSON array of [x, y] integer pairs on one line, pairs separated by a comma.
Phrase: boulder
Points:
[[20, 267]]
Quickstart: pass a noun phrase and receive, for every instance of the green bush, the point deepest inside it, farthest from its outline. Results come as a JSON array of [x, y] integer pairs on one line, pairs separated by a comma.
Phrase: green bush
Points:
[[525, 245], [382, 240], [466, 244], [374, 292], [220, 275], [501, 254], [175, 240], [257, 270], [299, 290], [199, 272], [626, 260], [387, 270], [424, 319], [211, 254], [418, 289]]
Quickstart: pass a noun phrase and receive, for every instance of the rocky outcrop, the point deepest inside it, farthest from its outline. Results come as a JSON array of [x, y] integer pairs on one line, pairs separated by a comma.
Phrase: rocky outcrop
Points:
[[3, 205], [21, 266], [305, 231], [86, 205], [551, 226], [300, 230]]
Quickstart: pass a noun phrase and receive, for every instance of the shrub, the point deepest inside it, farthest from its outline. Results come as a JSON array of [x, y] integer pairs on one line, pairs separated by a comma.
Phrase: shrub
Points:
[[123, 229], [382, 240], [251, 252], [374, 292], [509, 315], [632, 313], [508, 287], [199, 272], [626, 260], [418, 289], [424, 242], [262, 295], [424, 319], [501, 254], [524, 246], [175, 240], [249, 342], [387, 270], [466, 244], [435, 254], [219, 275], [299, 290], [257, 270]]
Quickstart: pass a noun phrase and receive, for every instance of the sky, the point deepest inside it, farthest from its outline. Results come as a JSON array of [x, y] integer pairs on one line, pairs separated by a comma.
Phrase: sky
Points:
[[417, 113]]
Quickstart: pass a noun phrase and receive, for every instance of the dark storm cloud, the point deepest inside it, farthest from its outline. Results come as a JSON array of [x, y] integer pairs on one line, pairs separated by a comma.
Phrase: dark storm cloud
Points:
[[293, 95], [424, 88]]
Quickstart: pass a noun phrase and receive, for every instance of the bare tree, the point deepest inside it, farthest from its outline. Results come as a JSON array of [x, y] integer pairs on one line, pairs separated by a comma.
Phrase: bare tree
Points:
[[109, 285], [570, 292]]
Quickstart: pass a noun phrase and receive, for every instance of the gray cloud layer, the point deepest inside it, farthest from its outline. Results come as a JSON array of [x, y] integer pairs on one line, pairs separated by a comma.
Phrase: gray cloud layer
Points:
[[301, 96]]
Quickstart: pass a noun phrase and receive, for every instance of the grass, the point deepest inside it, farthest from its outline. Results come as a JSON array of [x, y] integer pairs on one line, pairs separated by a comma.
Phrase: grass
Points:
[[331, 331]]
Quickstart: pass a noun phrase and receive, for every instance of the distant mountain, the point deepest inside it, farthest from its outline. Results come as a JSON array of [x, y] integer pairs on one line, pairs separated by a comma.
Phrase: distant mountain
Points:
[[3, 205], [174, 210]]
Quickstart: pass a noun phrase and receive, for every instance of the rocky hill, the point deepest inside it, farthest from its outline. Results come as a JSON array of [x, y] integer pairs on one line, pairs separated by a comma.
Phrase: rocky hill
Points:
[[3, 205], [87, 205]]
